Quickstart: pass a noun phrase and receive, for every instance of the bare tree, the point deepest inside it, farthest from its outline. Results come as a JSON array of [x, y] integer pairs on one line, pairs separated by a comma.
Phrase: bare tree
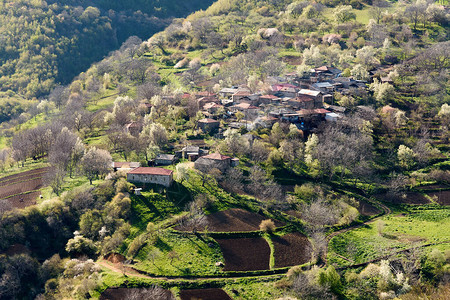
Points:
[[95, 163], [55, 179], [4, 206]]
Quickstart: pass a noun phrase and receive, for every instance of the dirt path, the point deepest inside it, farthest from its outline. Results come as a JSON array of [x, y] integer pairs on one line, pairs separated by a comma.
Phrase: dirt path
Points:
[[132, 272], [386, 211]]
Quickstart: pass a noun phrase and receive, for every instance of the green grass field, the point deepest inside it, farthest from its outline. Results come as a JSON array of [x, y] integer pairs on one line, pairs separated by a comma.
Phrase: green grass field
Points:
[[176, 255], [401, 231]]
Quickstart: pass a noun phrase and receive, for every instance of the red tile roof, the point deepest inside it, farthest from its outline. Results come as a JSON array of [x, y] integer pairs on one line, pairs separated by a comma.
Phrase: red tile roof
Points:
[[321, 111], [269, 97], [244, 105], [241, 93], [151, 171], [216, 156]]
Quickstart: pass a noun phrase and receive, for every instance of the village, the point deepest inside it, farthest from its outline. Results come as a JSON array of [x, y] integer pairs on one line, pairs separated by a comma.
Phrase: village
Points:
[[305, 102]]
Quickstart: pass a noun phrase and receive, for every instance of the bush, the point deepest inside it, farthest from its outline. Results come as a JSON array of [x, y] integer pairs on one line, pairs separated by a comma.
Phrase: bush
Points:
[[267, 226], [136, 245]]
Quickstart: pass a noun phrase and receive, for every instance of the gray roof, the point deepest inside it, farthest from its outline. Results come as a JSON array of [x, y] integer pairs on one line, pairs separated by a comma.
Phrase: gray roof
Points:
[[322, 85], [165, 156]]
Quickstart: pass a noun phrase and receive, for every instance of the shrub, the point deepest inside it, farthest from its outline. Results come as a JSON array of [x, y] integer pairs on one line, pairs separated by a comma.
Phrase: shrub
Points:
[[136, 245], [267, 225]]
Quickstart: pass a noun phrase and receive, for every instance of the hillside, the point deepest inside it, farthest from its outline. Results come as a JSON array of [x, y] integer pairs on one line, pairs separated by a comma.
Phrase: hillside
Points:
[[48, 43], [253, 150]]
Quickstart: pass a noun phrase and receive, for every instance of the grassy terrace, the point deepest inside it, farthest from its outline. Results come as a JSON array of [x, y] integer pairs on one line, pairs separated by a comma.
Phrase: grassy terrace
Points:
[[389, 234]]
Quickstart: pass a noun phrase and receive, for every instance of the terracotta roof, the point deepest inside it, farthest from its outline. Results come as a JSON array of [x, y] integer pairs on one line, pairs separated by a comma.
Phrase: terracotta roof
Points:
[[206, 120], [151, 171], [241, 93], [269, 96], [244, 105], [216, 156], [305, 112], [186, 95], [279, 86], [211, 105], [321, 111]]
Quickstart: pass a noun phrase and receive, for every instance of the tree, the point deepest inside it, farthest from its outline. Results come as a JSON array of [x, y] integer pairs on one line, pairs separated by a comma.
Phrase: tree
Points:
[[367, 56], [80, 245], [383, 92], [155, 133], [55, 179], [267, 226], [60, 153], [343, 13], [95, 163], [405, 156], [182, 171], [416, 11], [359, 72], [378, 8]]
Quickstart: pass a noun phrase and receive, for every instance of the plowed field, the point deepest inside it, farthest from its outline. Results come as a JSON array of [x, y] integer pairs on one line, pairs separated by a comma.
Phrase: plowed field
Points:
[[245, 254], [206, 294], [291, 249], [21, 190]]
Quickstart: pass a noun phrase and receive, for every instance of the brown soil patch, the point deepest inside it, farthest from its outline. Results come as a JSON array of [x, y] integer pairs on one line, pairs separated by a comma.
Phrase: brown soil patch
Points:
[[134, 293], [407, 198], [293, 60], [20, 187], [204, 294], [367, 209], [291, 249], [294, 213], [17, 249], [410, 238], [236, 220], [247, 254], [115, 258], [13, 187], [433, 187], [441, 197], [24, 200]]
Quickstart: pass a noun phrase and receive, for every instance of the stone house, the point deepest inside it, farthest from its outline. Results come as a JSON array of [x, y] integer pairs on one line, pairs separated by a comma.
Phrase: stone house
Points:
[[143, 175], [315, 95], [215, 161], [250, 111], [165, 159], [208, 125]]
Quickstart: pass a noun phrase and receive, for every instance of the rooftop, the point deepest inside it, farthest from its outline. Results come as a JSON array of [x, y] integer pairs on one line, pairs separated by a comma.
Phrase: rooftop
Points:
[[151, 171], [207, 120], [309, 92], [216, 156], [244, 105]]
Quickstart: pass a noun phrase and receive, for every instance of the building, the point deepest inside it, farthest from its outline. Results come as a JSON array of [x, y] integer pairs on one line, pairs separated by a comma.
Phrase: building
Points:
[[134, 128], [165, 159], [190, 152], [145, 175], [208, 125], [315, 95], [212, 107], [250, 111], [215, 161], [125, 166]]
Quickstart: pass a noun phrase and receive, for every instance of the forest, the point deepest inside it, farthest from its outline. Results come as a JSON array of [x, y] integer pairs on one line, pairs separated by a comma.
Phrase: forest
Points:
[[44, 44], [305, 146]]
